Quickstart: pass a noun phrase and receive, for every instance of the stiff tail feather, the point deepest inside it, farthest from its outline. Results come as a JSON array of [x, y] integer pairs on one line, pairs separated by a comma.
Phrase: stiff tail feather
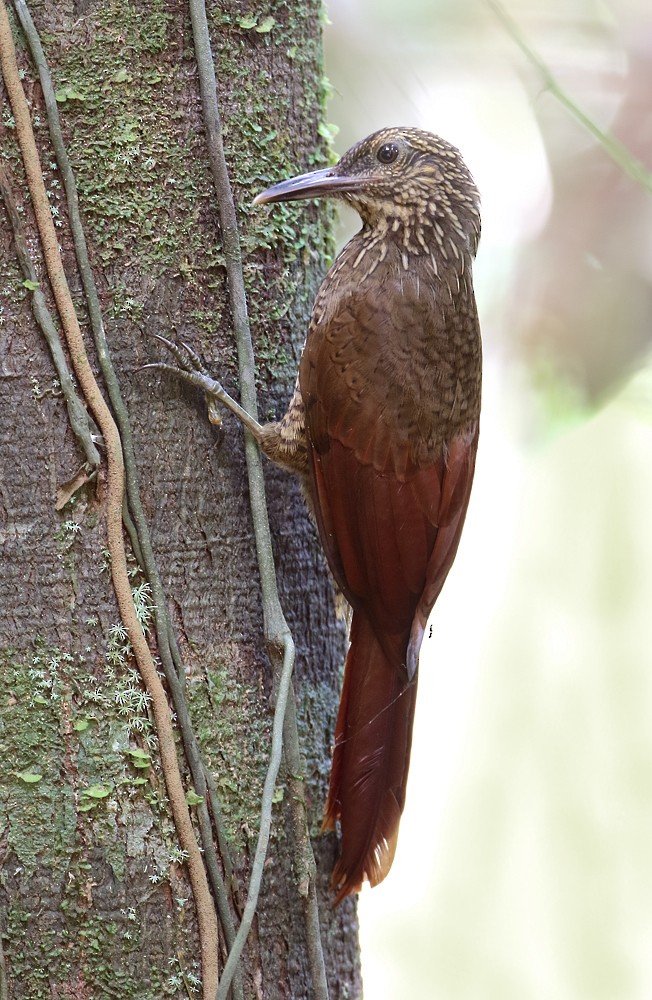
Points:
[[370, 761]]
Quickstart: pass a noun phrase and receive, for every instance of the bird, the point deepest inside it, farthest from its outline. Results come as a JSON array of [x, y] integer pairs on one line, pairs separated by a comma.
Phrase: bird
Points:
[[382, 430]]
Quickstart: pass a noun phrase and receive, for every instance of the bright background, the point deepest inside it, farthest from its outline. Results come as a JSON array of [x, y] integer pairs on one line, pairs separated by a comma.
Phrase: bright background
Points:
[[524, 865]]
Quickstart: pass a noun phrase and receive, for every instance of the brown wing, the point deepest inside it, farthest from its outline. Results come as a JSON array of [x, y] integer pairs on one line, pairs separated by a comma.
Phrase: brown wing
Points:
[[390, 486], [389, 495]]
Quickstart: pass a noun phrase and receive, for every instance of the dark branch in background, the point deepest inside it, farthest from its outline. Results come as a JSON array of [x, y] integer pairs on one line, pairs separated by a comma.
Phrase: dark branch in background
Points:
[[279, 641], [77, 415], [618, 152], [135, 520]]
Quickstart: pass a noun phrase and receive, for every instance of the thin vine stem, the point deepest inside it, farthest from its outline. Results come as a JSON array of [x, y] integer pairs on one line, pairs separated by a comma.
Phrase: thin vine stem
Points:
[[133, 513], [207, 920], [614, 148], [258, 863], [77, 415], [280, 644]]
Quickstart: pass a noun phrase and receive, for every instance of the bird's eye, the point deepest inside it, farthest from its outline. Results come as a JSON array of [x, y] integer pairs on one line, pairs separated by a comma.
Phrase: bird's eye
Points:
[[387, 153]]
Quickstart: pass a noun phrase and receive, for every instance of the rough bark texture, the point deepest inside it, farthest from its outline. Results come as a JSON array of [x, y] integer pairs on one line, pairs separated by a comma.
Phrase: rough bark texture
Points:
[[91, 892]]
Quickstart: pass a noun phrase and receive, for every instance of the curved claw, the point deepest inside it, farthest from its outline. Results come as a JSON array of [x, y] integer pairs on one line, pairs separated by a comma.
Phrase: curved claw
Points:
[[192, 370], [187, 358]]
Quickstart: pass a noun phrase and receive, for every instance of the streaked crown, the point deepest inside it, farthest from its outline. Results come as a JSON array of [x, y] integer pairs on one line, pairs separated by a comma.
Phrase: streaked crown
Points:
[[401, 181], [414, 175]]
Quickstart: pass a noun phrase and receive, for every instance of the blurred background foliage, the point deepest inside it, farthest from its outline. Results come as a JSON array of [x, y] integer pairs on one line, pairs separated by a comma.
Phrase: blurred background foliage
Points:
[[524, 867]]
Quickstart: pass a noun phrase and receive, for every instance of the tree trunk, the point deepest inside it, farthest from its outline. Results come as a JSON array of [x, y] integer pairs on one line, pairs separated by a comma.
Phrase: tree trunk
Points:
[[95, 899]]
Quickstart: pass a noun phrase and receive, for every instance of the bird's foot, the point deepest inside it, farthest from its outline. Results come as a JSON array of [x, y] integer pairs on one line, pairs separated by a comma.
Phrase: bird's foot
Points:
[[190, 368]]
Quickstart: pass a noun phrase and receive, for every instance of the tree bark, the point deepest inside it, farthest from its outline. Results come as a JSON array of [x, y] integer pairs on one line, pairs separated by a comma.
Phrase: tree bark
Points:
[[94, 895]]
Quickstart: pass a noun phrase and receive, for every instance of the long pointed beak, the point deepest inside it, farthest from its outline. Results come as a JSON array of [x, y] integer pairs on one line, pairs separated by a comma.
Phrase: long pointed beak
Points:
[[317, 184]]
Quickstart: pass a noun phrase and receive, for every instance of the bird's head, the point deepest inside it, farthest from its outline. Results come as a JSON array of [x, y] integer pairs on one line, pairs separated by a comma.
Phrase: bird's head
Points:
[[398, 179]]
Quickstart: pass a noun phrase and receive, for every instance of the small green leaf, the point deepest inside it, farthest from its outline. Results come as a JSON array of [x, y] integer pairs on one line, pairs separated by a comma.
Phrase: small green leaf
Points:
[[192, 798], [31, 285], [40, 700], [86, 806], [139, 781], [327, 130], [247, 22], [29, 777], [139, 758], [81, 725], [67, 94], [266, 25], [122, 76], [97, 791], [278, 794]]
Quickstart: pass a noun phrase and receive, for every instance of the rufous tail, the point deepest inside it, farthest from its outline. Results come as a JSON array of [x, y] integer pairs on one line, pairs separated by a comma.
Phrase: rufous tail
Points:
[[371, 758]]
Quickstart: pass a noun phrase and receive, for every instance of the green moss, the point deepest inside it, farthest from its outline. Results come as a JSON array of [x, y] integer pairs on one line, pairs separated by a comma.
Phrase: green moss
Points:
[[44, 696], [135, 139], [84, 950], [129, 131], [79, 717], [32, 740], [235, 743]]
